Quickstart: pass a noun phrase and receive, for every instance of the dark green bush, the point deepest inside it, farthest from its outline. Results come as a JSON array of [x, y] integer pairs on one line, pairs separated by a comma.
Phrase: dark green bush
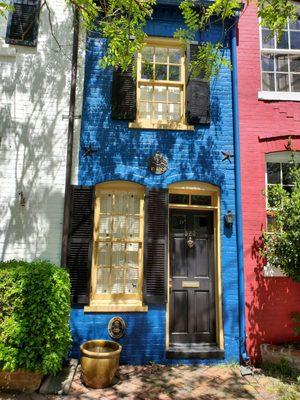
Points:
[[34, 316]]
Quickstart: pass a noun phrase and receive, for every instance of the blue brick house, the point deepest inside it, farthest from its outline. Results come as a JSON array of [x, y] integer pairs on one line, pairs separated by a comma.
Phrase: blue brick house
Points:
[[154, 236]]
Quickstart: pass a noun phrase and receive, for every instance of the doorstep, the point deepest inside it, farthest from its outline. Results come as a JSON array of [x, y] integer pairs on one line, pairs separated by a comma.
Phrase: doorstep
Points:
[[203, 351]]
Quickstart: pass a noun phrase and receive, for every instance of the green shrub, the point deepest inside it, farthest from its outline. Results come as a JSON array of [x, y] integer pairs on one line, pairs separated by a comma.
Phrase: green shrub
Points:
[[34, 316]]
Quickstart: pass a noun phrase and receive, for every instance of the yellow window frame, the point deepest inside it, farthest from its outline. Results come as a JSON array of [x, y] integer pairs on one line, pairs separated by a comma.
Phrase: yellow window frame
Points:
[[164, 124], [119, 302]]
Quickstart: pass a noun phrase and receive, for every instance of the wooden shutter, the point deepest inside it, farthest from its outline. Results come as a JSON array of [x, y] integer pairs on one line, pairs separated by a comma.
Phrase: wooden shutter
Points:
[[197, 94], [80, 242], [22, 27], [123, 95], [156, 247]]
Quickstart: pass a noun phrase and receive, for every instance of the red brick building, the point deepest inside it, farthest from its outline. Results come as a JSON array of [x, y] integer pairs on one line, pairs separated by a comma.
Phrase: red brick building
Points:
[[269, 96]]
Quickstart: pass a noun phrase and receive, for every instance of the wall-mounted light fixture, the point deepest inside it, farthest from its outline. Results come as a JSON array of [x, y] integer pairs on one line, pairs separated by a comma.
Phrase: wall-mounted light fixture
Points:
[[229, 219], [22, 199]]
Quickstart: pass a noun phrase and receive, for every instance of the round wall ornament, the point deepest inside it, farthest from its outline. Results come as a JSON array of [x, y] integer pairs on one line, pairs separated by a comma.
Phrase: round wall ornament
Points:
[[116, 327], [158, 163]]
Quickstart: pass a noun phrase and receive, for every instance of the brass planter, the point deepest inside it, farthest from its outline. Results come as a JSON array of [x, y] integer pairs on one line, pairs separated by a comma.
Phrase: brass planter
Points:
[[99, 362]]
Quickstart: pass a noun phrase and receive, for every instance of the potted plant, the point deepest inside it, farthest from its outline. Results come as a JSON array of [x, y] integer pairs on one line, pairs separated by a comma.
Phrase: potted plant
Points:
[[99, 362], [34, 322]]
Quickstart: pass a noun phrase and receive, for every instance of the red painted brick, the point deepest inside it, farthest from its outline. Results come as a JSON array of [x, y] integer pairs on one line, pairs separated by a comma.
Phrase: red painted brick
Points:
[[269, 301]]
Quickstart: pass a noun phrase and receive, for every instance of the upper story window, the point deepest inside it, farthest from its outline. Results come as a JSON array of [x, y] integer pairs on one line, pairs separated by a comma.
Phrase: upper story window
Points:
[[278, 167], [162, 94], [280, 60], [161, 85], [22, 26]]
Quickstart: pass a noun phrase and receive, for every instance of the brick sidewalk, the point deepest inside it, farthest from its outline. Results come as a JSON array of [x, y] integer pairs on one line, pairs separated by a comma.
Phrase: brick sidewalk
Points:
[[177, 383]]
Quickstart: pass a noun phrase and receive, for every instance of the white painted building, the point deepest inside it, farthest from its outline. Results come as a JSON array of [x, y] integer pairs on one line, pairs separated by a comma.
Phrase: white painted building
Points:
[[34, 107]]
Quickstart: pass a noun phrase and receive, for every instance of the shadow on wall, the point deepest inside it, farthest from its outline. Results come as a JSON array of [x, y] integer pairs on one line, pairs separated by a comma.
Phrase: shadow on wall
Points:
[[269, 311], [34, 88]]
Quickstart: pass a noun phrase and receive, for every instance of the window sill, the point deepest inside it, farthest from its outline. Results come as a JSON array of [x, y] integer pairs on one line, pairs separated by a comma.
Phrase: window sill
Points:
[[100, 307], [279, 96], [175, 126]]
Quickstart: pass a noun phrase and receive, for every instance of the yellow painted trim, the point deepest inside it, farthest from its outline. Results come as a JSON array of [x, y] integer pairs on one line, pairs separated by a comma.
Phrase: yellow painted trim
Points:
[[170, 126], [194, 187], [154, 124], [117, 302], [115, 308]]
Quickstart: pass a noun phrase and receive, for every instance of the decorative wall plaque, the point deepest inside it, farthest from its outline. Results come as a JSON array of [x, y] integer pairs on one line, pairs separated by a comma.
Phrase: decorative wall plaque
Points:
[[158, 164], [116, 327]]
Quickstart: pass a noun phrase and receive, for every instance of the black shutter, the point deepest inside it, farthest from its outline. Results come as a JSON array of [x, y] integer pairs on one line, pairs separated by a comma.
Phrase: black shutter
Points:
[[80, 242], [197, 94], [123, 95], [156, 247], [22, 27]]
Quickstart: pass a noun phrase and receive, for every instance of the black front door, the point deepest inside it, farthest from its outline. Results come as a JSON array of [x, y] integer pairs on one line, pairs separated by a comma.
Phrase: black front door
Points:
[[192, 302]]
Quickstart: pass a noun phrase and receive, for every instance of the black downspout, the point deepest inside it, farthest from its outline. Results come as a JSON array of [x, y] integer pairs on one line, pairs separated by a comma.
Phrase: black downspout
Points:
[[67, 200]]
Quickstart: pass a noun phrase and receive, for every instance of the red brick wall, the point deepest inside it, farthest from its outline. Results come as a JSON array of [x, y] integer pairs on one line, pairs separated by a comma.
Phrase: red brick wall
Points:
[[264, 127]]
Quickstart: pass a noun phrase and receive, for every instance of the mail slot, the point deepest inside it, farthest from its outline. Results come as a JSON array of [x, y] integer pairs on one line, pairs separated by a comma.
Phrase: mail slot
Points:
[[191, 284]]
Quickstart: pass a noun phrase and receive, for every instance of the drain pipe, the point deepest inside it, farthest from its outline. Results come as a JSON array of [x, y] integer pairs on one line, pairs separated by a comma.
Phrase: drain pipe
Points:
[[238, 196], [71, 117]]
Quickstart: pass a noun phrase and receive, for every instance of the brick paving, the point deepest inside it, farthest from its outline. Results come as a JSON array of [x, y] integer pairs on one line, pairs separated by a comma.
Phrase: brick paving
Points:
[[157, 382]]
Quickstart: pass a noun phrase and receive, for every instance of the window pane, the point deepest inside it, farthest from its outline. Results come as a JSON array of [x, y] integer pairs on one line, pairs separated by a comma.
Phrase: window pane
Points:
[[200, 200], [161, 72], [295, 40], [118, 254], [104, 254], [282, 63], [146, 92], [267, 62], [295, 83], [179, 222], [133, 228], [132, 275], [179, 198], [268, 81], [286, 176], [119, 226], [147, 71], [273, 172], [284, 41], [270, 200], [282, 82], [103, 280], [294, 63], [134, 204], [117, 280], [121, 203], [288, 189], [174, 95], [106, 203], [295, 25], [174, 112], [174, 56], [161, 55], [160, 93], [105, 226], [267, 39], [174, 73], [160, 111], [145, 110], [132, 255], [147, 53], [270, 223]]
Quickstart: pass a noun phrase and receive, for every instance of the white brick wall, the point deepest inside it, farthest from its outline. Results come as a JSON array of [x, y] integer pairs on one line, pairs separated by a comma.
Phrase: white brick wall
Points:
[[34, 95]]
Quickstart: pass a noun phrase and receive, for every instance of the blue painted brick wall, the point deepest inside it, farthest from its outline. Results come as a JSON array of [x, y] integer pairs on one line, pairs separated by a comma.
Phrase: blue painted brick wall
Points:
[[122, 153]]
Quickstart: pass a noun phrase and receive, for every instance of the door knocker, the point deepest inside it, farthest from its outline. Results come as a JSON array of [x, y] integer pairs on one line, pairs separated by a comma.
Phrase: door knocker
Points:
[[190, 238]]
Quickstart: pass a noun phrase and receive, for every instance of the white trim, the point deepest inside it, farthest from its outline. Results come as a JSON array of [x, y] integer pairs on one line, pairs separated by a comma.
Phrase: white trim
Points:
[[278, 96]]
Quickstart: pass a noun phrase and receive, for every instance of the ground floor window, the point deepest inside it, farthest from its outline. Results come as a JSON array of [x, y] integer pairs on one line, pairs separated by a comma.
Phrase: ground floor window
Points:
[[278, 167], [118, 243]]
